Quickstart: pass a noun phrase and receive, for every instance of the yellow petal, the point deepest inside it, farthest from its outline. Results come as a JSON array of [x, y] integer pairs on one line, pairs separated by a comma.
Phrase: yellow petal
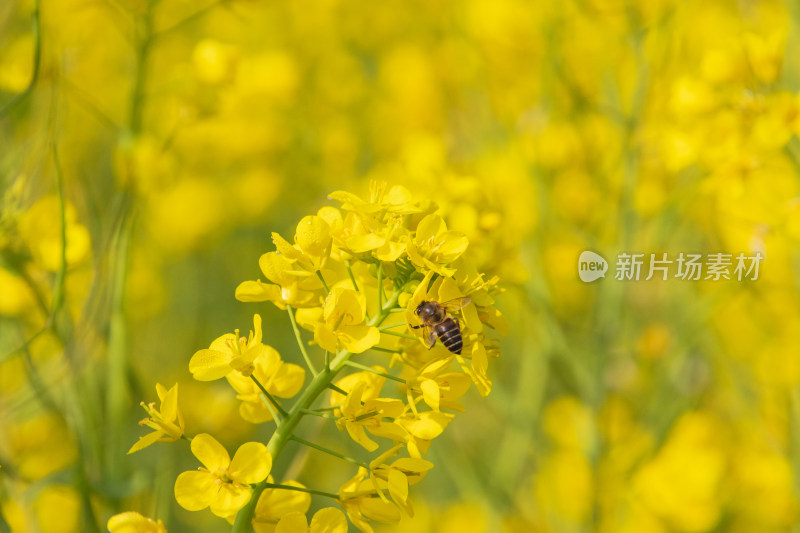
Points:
[[257, 335], [288, 380], [258, 291], [208, 365], [313, 236], [285, 248], [292, 523], [410, 464], [328, 520], [332, 216], [430, 393], [147, 440], [169, 403], [194, 490], [358, 339], [380, 511], [358, 434], [365, 243], [479, 366], [275, 503], [398, 486], [325, 338], [210, 452], [453, 244], [428, 228], [132, 522], [251, 463], [230, 499], [254, 412], [274, 267]]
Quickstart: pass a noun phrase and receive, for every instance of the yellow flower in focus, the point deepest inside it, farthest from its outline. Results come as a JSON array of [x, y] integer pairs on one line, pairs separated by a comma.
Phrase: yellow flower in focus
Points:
[[433, 246], [397, 476], [278, 377], [396, 200], [358, 413], [275, 503], [440, 389], [358, 499], [312, 246], [421, 428], [298, 288], [133, 522], [342, 324], [229, 353], [327, 520], [222, 484], [166, 421]]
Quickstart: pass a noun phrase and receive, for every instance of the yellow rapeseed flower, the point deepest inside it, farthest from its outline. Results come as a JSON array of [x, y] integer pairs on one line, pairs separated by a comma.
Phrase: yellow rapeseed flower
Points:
[[228, 353], [133, 522], [167, 422], [327, 520], [222, 484]]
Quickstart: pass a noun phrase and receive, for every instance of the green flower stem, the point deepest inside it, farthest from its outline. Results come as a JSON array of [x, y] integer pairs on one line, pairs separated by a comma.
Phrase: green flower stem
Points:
[[271, 398], [387, 350], [300, 340], [322, 279], [380, 286], [329, 451], [337, 389], [300, 489], [317, 412], [37, 60], [398, 334], [284, 432], [350, 272], [390, 326], [368, 369]]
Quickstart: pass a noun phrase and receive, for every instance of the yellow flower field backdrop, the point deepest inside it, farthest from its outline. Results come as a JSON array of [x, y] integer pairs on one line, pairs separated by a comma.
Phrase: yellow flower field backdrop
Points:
[[187, 187]]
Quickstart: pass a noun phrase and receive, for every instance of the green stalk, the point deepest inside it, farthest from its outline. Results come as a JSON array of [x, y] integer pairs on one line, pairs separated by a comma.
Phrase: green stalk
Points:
[[285, 431], [300, 341], [329, 451]]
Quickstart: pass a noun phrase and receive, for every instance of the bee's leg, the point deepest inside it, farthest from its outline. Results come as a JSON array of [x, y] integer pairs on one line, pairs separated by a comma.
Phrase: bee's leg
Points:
[[416, 327]]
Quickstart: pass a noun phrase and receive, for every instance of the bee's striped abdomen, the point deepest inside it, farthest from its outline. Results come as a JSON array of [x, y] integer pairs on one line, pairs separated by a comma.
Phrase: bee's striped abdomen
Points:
[[450, 335]]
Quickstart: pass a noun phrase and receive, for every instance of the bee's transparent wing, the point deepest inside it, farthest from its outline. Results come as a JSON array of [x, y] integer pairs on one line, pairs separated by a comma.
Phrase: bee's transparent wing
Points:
[[455, 304]]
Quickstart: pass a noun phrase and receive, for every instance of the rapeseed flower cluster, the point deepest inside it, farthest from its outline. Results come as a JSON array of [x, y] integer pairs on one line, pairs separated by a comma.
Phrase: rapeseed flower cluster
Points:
[[353, 277]]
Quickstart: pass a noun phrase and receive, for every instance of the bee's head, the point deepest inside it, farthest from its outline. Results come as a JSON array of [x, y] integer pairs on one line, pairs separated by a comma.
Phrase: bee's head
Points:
[[419, 308]]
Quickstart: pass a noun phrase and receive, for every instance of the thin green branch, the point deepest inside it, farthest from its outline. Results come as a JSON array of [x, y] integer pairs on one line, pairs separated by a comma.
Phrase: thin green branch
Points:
[[37, 60], [376, 372], [337, 389], [272, 400], [398, 334], [350, 272], [316, 412], [380, 286], [300, 341], [322, 279], [298, 489], [328, 451], [387, 350], [395, 325]]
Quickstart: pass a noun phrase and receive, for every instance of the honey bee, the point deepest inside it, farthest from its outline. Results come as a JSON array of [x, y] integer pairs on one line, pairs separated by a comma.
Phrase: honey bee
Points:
[[439, 324]]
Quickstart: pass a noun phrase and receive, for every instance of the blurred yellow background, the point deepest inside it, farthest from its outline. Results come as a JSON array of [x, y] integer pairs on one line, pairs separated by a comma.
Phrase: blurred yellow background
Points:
[[168, 138]]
